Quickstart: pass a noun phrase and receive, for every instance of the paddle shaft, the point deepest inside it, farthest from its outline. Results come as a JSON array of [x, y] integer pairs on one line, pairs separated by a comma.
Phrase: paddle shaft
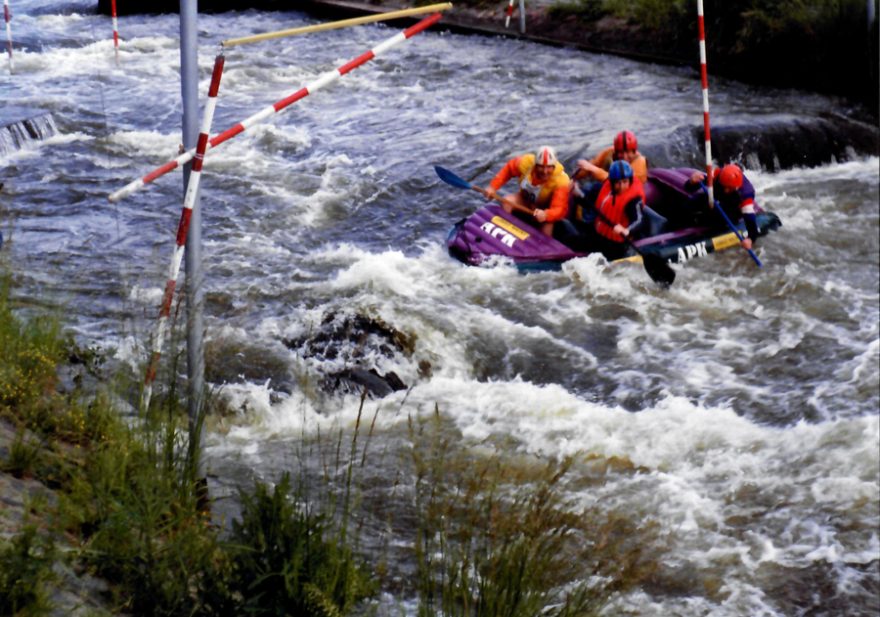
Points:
[[454, 180], [736, 231], [502, 200], [608, 222], [654, 265]]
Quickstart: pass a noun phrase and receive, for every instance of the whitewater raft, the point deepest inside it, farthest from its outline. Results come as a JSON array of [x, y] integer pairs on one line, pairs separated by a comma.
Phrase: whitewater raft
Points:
[[490, 235]]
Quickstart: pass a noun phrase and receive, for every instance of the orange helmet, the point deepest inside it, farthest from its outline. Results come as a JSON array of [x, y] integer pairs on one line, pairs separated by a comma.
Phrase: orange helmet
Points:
[[625, 140], [730, 176], [545, 156]]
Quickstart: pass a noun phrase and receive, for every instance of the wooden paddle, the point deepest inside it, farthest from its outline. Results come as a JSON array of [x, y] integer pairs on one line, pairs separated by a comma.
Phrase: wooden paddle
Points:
[[655, 266]]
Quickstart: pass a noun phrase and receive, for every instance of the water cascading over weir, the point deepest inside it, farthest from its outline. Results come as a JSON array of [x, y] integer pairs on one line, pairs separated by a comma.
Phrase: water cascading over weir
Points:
[[20, 133]]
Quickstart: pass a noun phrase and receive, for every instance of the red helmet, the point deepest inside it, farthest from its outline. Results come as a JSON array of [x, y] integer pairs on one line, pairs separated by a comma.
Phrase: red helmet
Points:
[[625, 140], [730, 176]]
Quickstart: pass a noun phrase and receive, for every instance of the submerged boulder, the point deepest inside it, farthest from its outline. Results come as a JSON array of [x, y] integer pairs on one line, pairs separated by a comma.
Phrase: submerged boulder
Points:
[[352, 348]]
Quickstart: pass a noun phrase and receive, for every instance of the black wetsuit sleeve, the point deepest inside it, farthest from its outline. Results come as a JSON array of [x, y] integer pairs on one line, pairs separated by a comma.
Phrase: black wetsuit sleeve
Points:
[[751, 222], [639, 225]]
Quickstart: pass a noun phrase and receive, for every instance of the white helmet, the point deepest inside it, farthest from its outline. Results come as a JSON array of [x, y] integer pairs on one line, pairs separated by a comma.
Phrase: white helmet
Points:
[[545, 156]]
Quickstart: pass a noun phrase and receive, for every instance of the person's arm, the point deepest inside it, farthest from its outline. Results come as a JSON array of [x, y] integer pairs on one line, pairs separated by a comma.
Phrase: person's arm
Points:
[[558, 208], [595, 168], [510, 170], [638, 222], [640, 168], [587, 168], [747, 208], [696, 181], [602, 162]]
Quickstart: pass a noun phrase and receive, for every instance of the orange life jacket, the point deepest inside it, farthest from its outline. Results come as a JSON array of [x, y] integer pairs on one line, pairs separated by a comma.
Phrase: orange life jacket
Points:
[[613, 208]]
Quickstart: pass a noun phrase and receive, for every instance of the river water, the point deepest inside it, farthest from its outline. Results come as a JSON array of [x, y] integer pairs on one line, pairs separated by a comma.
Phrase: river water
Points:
[[747, 399]]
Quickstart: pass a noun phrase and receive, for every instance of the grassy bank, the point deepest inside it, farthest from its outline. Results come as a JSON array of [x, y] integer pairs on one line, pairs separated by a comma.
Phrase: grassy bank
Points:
[[127, 508], [487, 536]]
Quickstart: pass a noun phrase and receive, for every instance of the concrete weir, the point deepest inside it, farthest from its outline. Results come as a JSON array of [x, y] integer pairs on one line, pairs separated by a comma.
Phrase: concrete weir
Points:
[[16, 134]]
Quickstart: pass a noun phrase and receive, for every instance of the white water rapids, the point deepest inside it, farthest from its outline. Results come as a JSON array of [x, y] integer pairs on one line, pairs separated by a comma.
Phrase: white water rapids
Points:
[[748, 399]]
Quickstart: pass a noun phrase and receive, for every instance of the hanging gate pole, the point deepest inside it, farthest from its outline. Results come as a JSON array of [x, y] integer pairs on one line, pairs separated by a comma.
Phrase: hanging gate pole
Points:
[[115, 30], [342, 23], [323, 80], [704, 79], [183, 228], [7, 15]]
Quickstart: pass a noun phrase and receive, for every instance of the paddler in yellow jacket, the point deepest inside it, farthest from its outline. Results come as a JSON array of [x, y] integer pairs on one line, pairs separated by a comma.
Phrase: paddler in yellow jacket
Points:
[[543, 186]]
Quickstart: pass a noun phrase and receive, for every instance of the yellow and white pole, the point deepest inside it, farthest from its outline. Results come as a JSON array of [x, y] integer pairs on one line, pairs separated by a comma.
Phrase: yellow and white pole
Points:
[[334, 25]]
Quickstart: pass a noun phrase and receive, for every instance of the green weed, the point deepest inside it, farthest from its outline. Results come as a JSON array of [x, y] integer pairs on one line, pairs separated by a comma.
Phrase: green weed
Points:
[[498, 538], [25, 571], [287, 559]]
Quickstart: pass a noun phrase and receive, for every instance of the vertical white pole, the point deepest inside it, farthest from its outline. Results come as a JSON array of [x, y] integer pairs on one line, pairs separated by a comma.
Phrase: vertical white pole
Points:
[[7, 15], [189, 82]]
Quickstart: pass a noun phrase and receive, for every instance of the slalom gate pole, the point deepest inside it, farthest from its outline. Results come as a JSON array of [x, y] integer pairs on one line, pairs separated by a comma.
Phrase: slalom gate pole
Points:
[[182, 230], [522, 16], [508, 13], [323, 80], [115, 30], [344, 23], [7, 15], [704, 78]]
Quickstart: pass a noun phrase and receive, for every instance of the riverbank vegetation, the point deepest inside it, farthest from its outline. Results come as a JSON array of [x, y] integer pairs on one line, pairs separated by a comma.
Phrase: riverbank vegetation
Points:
[[120, 502], [128, 508], [824, 45]]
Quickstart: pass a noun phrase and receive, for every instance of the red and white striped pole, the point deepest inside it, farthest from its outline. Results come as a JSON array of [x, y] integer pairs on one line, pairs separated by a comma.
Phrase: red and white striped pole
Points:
[[115, 30], [710, 191], [182, 230], [7, 15], [508, 13], [323, 80], [704, 78]]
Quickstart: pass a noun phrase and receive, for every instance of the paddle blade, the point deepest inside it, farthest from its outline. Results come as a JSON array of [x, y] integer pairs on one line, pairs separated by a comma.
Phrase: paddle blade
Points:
[[450, 178], [659, 271]]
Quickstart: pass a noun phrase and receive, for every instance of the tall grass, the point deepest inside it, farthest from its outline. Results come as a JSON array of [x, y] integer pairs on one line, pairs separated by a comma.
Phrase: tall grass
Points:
[[498, 537], [493, 536], [30, 352], [130, 499], [25, 572]]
